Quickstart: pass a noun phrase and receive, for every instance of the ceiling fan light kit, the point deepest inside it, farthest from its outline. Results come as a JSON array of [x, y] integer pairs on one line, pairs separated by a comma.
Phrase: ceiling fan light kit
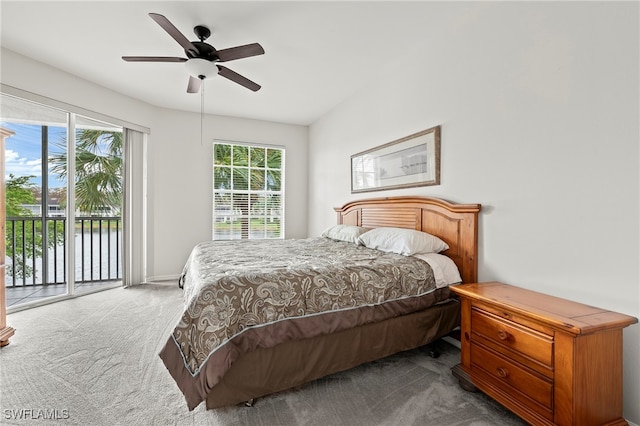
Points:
[[202, 58], [201, 68]]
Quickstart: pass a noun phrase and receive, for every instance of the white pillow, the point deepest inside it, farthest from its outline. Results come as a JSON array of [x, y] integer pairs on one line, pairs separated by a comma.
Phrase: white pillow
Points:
[[348, 233], [444, 269], [402, 241]]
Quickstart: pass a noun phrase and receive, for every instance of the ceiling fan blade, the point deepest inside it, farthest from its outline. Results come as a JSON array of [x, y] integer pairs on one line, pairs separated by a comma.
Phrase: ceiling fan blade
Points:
[[153, 59], [194, 85], [240, 52], [174, 32], [235, 77]]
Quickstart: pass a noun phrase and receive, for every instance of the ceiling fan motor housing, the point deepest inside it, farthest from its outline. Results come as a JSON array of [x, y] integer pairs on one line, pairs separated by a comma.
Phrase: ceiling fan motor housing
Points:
[[205, 51]]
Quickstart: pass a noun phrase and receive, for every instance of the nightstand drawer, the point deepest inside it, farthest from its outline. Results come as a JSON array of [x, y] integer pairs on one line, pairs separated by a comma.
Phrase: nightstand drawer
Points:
[[530, 389], [523, 340]]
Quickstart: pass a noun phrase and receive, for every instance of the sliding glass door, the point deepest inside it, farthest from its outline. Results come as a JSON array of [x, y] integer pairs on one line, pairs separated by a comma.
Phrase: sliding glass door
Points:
[[63, 197], [97, 198]]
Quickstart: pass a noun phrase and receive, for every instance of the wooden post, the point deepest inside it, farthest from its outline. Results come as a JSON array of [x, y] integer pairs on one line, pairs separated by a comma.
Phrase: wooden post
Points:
[[5, 331]]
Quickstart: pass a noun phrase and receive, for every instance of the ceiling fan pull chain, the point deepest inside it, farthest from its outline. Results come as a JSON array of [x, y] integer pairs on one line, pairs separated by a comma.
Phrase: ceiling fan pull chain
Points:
[[201, 111]]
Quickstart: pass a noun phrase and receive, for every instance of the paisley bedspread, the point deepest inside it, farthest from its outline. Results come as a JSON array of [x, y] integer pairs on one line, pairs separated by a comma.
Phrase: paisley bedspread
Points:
[[244, 294]]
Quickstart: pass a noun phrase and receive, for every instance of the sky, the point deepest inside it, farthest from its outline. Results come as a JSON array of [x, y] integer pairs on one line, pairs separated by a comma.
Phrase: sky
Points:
[[23, 152]]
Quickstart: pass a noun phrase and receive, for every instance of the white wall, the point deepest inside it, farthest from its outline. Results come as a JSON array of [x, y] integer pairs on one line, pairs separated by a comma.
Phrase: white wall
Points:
[[539, 107], [180, 181], [179, 168]]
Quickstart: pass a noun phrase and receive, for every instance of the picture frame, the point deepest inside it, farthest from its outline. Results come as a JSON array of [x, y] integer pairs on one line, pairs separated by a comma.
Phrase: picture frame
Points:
[[408, 162]]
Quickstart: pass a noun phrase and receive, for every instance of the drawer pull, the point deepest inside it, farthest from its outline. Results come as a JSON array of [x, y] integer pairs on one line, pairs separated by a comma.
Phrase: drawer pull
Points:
[[503, 335], [502, 372]]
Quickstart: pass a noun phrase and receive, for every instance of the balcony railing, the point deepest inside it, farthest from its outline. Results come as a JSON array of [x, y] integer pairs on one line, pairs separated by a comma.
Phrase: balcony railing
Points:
[[37, 258]]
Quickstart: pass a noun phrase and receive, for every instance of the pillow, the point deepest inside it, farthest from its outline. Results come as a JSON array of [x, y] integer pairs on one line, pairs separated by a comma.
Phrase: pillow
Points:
[[402, 241], [348, 233], [444, 269]]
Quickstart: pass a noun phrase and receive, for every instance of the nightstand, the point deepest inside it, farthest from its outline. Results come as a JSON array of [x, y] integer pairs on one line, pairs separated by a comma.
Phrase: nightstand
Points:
[[549, 360]]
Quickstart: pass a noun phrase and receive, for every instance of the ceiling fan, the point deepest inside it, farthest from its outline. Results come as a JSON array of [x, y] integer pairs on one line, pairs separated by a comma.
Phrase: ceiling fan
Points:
[[202, 58]]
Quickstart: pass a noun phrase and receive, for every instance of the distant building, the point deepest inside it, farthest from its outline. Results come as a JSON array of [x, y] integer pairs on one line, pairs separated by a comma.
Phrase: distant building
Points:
[[56, 205]]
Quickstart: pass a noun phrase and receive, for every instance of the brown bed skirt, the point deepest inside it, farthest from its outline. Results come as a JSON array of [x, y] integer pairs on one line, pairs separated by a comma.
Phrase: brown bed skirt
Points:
[[266, 371]]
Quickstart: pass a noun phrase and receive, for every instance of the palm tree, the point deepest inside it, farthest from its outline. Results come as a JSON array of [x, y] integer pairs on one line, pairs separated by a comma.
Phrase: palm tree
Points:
[[98, 174]]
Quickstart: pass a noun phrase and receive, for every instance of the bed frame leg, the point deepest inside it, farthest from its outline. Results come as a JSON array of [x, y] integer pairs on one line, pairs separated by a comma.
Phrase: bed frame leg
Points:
[[431, 349]]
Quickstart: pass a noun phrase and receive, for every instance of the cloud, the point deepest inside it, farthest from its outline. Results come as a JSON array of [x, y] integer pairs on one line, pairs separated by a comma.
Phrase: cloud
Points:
[[21, 166]]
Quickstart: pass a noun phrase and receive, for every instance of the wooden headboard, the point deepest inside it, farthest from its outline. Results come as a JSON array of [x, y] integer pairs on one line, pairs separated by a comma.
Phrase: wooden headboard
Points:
[[455, 224]]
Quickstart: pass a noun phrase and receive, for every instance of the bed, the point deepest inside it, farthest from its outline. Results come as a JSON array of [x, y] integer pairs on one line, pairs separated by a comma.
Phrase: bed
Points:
[[296, 320]]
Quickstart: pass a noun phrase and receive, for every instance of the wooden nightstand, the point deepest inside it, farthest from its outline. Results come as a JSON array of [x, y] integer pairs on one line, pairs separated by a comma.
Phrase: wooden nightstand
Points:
[[549, 360]]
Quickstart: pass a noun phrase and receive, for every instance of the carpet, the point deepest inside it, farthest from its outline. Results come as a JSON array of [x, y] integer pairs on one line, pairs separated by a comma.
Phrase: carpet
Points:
[[93, 360]]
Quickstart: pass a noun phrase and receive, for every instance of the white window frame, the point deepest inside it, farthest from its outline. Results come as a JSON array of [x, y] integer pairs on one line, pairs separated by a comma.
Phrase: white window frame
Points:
[[231, 216]]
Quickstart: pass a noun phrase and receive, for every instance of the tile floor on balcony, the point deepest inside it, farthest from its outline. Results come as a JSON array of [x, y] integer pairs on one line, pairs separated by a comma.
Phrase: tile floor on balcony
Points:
[[29, 293]]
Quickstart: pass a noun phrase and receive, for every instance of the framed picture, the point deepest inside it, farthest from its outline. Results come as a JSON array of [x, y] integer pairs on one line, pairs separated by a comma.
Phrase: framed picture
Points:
[[404, 163]]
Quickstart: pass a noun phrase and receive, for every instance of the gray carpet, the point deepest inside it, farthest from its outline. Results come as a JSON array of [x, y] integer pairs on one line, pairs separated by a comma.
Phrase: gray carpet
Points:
[[93, 361]]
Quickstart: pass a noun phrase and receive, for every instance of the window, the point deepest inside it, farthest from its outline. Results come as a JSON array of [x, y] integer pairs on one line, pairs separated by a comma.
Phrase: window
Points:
[[248, 191]]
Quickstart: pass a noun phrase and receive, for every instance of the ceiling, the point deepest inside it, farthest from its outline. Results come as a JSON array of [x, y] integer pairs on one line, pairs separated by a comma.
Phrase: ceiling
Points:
[[317, 53]]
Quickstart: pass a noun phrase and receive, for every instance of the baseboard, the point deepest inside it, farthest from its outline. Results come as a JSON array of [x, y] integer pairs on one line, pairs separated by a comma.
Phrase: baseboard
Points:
[[452, 341], [453, 338], [162, 278]]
